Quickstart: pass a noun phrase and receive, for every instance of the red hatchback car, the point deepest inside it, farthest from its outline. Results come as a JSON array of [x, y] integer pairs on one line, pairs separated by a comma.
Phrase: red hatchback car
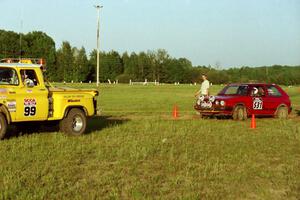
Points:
[[243, 100]]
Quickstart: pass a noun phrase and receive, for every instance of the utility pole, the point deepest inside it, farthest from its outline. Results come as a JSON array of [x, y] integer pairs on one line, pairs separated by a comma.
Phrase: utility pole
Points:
[[98, 7], [20, 33]]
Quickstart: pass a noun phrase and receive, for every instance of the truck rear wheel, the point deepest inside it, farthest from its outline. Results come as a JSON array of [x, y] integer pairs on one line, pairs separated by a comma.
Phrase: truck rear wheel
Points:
[[239, 113], [3, 126], [74, 123]]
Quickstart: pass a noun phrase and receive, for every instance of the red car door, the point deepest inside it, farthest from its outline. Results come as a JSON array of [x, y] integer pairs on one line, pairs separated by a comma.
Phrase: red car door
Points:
[[259, 100], [274, 99]]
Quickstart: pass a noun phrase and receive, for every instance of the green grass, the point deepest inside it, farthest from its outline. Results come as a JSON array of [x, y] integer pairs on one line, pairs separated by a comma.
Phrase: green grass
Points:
[[137, 151]]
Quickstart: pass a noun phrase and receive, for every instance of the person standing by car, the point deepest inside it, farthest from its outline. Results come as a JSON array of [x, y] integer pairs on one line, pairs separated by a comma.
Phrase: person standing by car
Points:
[[204, 90]]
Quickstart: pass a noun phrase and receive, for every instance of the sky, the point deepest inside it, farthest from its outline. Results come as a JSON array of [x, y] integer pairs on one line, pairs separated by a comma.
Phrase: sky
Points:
[[227, 33]]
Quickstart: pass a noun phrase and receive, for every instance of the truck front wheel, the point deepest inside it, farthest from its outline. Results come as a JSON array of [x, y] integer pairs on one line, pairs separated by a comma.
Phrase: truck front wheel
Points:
[[3, 126], [74, 123]]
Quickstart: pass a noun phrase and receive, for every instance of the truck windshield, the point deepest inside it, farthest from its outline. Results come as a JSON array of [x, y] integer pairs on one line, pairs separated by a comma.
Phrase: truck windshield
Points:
[[8, 77]]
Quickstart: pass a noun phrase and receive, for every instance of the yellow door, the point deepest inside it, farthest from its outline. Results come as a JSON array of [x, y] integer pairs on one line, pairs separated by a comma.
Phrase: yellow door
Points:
[[32, 98]]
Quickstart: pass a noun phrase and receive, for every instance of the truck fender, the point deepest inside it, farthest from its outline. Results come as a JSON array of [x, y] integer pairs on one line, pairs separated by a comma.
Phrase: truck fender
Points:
[[6, 113], [70, 107]]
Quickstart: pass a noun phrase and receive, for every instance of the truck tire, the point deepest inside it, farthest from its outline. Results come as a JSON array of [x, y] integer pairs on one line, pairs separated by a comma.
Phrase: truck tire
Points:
[[74, 123], [3, 126], [282, 112], [239, 113]]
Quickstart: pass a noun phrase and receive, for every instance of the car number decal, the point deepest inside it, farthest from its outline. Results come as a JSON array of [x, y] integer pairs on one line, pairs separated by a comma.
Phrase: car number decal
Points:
[[29, 107], [257, 104]]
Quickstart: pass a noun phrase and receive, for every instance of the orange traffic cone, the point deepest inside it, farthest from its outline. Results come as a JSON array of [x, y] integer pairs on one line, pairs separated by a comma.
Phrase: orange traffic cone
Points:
[[253, 123], [175, 112]]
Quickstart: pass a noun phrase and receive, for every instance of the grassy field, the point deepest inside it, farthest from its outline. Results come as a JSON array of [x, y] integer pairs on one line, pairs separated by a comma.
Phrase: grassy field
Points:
[[135, 150]]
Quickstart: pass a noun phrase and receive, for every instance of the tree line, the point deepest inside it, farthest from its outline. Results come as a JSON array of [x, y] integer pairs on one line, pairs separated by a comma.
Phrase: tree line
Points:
[[69, 63]]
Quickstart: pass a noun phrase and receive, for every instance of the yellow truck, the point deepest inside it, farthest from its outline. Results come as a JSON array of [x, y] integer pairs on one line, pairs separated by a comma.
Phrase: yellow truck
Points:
[[25, 97]]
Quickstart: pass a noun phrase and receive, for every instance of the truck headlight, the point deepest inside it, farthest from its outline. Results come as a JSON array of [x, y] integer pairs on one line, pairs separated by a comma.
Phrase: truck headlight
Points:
[[222, 103], [217, 102]]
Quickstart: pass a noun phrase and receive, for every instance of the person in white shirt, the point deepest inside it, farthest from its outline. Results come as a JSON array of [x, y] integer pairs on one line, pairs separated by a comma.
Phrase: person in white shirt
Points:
[[204, 90]]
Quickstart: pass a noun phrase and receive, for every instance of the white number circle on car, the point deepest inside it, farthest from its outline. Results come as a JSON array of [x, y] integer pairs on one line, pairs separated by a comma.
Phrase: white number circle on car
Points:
[[257, 104]]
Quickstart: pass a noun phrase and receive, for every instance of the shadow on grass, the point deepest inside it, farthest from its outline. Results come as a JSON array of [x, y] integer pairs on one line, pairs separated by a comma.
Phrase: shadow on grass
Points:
[[20, 129], [101, 122], [297, 112], [96, 123]]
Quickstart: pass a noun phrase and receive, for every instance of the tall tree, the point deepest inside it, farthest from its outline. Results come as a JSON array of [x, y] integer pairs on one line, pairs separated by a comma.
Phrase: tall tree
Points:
[[177, 70], [65, 63], [39, 45], [81, 66], [9, 44], [91, 76], [161, 59]]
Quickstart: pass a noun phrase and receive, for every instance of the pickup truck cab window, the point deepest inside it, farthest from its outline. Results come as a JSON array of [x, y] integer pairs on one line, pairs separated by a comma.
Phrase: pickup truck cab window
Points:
[[8, 77], [29, 77]]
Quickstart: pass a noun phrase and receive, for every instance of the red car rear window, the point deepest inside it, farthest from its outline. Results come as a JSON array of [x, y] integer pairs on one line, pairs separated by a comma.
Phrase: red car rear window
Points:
[[273, 91]]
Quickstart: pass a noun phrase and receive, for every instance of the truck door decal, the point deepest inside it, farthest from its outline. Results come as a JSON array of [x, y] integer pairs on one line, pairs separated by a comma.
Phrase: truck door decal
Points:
[[29, 107], [11, 105]]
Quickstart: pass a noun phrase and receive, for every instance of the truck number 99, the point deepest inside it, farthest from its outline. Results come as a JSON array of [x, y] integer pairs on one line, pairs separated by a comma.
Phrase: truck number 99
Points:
[[29, 111]]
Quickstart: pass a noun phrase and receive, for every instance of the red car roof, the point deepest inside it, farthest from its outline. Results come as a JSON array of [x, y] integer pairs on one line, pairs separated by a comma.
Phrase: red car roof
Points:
[[230, 84]]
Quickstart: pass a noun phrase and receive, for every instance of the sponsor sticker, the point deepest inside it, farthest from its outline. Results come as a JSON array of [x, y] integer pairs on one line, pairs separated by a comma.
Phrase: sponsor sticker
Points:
[[3, 91], [29, 102], [73, 100], [11, 105], [11, 91]]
